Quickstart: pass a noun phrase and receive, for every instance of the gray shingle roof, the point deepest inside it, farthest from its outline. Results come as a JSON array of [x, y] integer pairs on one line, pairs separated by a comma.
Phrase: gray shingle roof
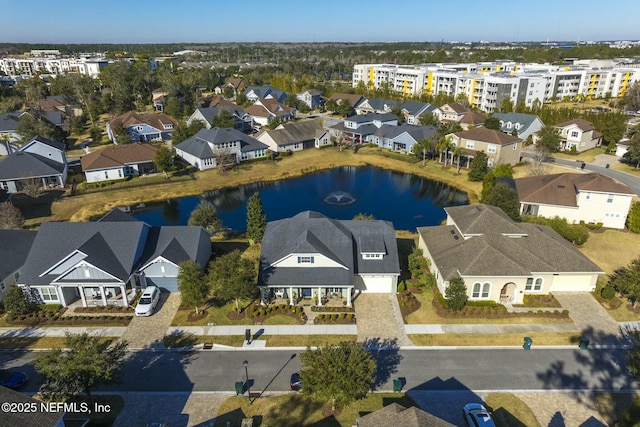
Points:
[[492, 247], [265, 90], [525, 120], [417, 132], [27, 418], [396, 415], [381, 104], [295, 132], [23, 164], [311, 232], [51, 143], [211, 112], [173, 243], [9, 122], [14, 250], [117, 215], [198, 145], [370, 117], [415, 107]]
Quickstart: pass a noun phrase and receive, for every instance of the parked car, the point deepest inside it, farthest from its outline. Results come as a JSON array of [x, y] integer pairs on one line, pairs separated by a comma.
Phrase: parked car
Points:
[[476, 415], [148, 301], [296, 382], [16, 380]]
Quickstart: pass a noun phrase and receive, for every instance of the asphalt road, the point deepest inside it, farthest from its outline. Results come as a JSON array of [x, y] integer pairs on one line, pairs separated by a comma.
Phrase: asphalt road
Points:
[[631, 181], [457, 369]]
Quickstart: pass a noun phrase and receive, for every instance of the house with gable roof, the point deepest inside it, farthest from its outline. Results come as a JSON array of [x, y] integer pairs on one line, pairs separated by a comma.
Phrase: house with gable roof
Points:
[[295, 136], [312, 98], [264, 110], [501, 260], [119, 162], [107, 262], [39, 159], [237, 84], [312, 256], [376, 105], [412, 110], [242, 120], [209, 147], [9, 133], [13, 256], [498, 146], [578, 133], [401, 138], [254, 93], [592, 198], [523, 124], [357, 128], [143, 127]]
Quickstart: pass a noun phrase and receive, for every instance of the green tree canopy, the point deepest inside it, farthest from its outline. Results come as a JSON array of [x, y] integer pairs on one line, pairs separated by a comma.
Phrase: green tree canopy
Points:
[[456, 294], [626, 281], [339, 373], [206, 216], [478, 167], [505, 198], [427, 119], [87, 362], [194, 287], [418, 264], [17, 303], [549, 139], [163, 159], [233, 277], [633, 219], [224, 119], [182, 132], [256, 218], [492, 123]]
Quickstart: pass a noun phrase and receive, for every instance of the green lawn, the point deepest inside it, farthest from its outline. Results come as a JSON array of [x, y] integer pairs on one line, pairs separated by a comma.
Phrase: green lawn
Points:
[[216, 315], [611, 249], [511, 339], [508, 410], [586, 156]]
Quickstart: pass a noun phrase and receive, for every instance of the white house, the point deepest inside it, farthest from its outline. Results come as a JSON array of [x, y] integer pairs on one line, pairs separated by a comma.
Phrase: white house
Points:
[[295, 136], [592, 198], [578, 133], [119, 162], [522, 124]]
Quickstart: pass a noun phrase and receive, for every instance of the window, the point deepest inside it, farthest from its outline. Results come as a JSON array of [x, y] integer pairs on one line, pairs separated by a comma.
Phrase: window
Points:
[[244, 156], [515, 146], [534, 284], [106, 175], [207, 162], [470, 145], [139, 128], [587, 196], [120, 173], [574, 134], [609, 198], [481, 290], [16, 275], [2, 286], [305, 260], [49, 294], [491, 148]]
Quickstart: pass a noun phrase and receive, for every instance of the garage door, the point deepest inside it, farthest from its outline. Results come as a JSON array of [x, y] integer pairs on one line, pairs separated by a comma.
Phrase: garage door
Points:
[[166, 284], [378, 284]]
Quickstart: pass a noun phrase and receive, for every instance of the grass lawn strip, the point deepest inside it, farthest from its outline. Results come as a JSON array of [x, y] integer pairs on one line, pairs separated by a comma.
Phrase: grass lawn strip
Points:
[[35, 342], [510, 339], [509, 410]]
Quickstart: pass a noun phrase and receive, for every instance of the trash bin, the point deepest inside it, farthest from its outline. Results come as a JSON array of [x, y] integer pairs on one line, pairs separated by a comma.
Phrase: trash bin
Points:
[[397, 386], [527, 343], [239, 387], [607, 166], [247, 335], [584, 343]]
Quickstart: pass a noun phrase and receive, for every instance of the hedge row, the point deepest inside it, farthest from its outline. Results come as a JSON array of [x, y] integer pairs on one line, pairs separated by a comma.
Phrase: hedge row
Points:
[[332, 309], [342, 318]]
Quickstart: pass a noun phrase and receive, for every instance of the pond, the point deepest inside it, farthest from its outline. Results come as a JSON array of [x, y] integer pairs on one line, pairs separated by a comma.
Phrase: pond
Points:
[[409, 201]]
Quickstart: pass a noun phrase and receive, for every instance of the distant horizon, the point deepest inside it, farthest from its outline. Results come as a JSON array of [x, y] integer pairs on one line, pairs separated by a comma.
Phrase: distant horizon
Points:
[[374, 21]]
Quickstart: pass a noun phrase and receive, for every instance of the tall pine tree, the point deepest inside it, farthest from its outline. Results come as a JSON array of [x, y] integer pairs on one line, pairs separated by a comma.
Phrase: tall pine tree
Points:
[[256, 218]]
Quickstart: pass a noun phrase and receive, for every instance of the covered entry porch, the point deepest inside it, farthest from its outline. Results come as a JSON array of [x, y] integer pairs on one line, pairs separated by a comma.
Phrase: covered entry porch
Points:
[[318, 295]]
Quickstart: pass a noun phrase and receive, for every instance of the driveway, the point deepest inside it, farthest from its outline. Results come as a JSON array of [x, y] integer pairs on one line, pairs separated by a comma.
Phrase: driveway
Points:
[[379, 320], [589, 316], [148, 332]]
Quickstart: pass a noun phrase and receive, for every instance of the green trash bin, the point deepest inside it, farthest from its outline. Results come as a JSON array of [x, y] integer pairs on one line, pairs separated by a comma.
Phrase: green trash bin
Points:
[[527, 343], [584, 343], [397, 386], [239, 387]]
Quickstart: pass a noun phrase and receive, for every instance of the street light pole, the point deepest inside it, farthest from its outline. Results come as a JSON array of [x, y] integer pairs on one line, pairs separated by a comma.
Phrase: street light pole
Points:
[[246, 373]]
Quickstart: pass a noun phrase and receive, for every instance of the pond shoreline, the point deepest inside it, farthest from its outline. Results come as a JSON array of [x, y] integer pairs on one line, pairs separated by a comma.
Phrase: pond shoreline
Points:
[[84, 207]]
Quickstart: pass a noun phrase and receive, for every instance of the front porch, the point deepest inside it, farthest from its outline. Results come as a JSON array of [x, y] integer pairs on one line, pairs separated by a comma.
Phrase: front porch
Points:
[[309, 296], [102, 297]]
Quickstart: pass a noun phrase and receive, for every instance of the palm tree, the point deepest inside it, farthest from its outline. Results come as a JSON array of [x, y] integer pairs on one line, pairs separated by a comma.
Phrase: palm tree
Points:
[[443, 146], [423, 147], [457, 153]]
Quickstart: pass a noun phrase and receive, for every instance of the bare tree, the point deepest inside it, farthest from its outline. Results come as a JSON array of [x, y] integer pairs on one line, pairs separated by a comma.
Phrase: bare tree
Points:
[[225, 159], [32, 187], [536, 166], [10, 216]]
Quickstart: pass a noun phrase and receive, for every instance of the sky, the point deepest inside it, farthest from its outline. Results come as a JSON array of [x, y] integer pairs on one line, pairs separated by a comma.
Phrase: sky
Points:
[[214, 21]]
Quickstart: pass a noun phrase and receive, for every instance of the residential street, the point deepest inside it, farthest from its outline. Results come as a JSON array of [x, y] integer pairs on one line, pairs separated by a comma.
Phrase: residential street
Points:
[[632, 181], [423, 369]]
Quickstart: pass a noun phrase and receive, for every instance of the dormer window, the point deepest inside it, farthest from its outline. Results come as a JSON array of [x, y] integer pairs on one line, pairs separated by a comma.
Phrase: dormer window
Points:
[[305, 260], [372, 255]]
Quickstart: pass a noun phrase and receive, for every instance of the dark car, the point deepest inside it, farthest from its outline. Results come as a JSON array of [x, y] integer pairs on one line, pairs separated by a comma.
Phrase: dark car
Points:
[[296, 382], [476, 415], [15, 381]]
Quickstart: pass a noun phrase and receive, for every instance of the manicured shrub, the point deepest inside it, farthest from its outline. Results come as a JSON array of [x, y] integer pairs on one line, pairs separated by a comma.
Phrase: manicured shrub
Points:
[[608, 292]]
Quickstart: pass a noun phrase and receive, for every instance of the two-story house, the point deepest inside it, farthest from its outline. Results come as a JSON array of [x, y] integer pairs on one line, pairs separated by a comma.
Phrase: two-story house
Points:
[[522, 125], [312, 256], [265, 110], [356, 128], [592, 198], [211, 147], [312, 98], [501, 260], [41, 160], [376, 105], [578, 133], [237, 85], [401, 138], [13, 256], [499, 147], [142, 127], [254, 93], [413, 110], [295, 136]]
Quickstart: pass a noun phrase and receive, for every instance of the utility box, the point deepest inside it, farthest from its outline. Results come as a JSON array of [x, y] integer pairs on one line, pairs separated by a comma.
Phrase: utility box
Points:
[[527, 343]]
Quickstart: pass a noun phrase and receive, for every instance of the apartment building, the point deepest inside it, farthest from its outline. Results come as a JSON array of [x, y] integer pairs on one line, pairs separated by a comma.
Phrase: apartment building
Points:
[[487, 84], [46, 65]]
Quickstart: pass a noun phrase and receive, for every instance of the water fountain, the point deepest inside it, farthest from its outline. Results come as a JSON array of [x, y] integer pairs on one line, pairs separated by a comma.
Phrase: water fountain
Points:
[[339, 198]]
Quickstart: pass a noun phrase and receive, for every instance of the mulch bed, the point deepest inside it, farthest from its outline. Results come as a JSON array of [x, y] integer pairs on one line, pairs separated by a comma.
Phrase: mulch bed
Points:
[[193, 317], [328, 410], [408, 303]]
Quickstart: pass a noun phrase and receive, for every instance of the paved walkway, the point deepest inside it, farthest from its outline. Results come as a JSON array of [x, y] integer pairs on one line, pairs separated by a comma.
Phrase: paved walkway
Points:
[[378, 321], [148, 332], [589, 317]]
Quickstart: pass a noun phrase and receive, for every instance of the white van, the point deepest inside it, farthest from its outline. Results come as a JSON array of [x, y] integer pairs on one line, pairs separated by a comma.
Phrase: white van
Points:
[[148, 301]]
